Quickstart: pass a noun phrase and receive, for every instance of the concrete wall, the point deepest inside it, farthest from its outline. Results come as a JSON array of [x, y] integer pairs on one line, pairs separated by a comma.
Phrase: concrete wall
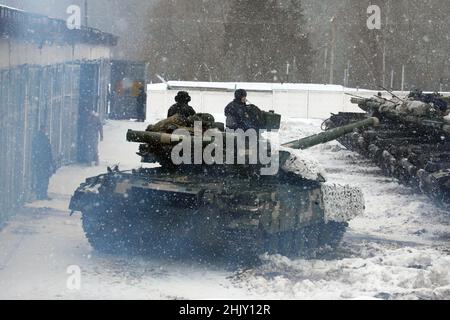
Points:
[[14, 53], [290, 103]]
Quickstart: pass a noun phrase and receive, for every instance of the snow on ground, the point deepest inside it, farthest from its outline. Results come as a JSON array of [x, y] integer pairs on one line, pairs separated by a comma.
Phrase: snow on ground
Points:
[[393, 211], [399, 249]]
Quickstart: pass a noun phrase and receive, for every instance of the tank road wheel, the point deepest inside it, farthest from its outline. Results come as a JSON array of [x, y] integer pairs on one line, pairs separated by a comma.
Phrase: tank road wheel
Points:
[[287, 244], [108, 230], [241, 247], [331, 234], [245, 248], [303, 242]]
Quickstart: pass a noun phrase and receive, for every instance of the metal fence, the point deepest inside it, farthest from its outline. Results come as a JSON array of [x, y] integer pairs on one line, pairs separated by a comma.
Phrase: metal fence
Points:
[[31, 96]]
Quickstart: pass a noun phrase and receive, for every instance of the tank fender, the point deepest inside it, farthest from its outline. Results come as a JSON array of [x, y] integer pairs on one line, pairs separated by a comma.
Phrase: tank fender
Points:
[[89, 191]]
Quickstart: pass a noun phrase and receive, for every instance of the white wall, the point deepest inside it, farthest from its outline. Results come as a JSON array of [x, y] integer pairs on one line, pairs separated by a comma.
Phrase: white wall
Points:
[[309, 104], [291, 104]]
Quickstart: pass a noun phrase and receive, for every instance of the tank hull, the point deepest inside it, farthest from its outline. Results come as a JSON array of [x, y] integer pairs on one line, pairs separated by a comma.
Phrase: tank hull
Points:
[[156, 211]]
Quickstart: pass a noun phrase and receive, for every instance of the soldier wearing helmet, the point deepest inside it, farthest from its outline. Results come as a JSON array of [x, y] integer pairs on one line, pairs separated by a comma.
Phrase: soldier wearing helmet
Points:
[[240, 115], [182, 106]]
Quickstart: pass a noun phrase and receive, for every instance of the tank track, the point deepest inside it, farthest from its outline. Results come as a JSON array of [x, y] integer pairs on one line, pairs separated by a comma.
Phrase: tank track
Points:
[[113, 230], [418, 158]]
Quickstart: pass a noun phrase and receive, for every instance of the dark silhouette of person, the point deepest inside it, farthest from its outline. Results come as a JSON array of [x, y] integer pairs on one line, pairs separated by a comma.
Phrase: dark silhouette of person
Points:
[[94, 130], [182, 106], [141, 101], [241, 115], [42, 163]]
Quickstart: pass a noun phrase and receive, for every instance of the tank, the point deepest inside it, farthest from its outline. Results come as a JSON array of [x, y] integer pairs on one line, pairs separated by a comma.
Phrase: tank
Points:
[[412, 142], [230, 210]]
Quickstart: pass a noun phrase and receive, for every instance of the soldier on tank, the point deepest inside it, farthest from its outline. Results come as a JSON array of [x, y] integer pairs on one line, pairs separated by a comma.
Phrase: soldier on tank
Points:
[[180, 115], [240, 115], [42, 162], [182, 106]]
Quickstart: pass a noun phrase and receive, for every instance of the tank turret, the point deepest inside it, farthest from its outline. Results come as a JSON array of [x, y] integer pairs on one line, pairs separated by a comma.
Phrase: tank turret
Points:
[[410, 110], [304, 143], [157, 146]]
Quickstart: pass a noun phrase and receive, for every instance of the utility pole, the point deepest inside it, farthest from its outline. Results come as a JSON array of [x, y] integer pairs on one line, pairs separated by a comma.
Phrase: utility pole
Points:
[[333, 48], [287, 71], [294, 70], [384, 63], [347, 74], [345, 78], [403, 77], [392, 79], [386, 30], [86, 13]]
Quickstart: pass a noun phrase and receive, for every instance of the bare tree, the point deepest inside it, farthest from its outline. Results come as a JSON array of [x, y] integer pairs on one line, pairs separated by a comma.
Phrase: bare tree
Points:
[[238, 40]]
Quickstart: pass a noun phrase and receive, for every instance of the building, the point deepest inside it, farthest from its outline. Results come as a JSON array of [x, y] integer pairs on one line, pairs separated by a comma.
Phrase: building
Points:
[[27, 38], [49, 75]]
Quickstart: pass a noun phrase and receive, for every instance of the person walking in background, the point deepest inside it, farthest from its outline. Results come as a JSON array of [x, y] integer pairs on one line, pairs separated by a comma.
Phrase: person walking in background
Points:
[[94, 131], [42, 163], [141, 103]]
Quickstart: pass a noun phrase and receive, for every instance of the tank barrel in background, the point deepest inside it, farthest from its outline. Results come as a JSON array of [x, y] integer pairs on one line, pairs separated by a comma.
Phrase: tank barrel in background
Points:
[[331, 135], [430, 111], [152, 137]]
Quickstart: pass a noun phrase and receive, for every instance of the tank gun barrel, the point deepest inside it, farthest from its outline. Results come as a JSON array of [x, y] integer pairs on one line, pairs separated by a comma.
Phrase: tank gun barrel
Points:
[[331, 135], [153, 137]]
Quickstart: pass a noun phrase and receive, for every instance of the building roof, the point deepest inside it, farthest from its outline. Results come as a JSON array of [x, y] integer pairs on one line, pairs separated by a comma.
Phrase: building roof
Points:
[[19, 24], [250, 86], [263, 87]]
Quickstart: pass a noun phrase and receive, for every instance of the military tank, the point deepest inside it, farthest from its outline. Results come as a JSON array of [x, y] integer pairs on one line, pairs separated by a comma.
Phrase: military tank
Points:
[[412, 142], [220, 208]]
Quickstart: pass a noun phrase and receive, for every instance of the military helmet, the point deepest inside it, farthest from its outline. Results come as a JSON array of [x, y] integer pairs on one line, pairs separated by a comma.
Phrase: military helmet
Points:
[[240, 93], [183, 97]]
